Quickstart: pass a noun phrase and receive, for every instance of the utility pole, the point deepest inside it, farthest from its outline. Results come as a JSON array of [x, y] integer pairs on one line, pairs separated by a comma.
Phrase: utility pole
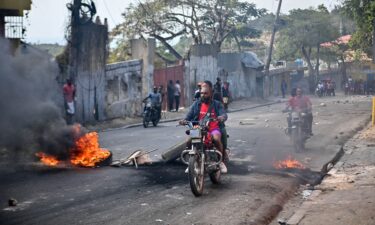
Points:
[[275, 25], [373, 40], [74, 39]]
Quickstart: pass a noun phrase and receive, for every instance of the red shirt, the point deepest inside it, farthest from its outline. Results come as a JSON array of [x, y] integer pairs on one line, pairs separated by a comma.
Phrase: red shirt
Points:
[[299, 103], [213, 125], [68, 91]]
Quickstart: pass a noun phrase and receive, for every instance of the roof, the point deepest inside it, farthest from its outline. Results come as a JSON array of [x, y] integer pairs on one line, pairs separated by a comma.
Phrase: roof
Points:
[[250, 60], [15, 7], [343, 40]]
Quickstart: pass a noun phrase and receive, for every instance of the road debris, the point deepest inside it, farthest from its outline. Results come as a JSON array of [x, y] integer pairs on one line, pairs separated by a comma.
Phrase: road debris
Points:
[[139, 157], [306, 194], [246, 123], [12, 202]]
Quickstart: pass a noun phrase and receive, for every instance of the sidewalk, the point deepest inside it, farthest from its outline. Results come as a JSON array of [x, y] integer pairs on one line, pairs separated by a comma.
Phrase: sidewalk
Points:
[[347, 194]]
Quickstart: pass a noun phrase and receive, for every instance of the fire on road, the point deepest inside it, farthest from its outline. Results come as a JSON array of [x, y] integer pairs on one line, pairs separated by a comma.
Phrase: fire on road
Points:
[[159, 194]]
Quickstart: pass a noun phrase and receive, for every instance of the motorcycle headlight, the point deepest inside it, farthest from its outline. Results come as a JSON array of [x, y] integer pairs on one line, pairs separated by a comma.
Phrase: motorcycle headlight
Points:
[[148, 104], [295, 115], [195, 133]]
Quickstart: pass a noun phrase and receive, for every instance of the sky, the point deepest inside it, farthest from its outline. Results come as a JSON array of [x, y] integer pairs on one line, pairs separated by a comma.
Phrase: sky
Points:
[[48, 18]]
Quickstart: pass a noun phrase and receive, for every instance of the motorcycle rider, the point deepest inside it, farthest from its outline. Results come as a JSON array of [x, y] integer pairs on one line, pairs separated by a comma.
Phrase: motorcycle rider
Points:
[[155, 98], [199, 111], [301, 103]]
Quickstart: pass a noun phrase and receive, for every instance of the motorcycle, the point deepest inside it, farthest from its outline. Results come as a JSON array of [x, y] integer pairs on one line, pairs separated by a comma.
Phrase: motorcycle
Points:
[[150, 113], [297, 129], [202, 158], [319, 91]]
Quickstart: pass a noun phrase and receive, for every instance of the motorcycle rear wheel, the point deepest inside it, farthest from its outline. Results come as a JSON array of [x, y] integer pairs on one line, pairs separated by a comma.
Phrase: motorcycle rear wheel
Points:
[[196, 175], [155, 122], [215, 177]]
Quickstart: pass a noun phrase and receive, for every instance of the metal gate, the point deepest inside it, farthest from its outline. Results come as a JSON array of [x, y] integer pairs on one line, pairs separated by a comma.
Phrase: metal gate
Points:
[[162, 77]]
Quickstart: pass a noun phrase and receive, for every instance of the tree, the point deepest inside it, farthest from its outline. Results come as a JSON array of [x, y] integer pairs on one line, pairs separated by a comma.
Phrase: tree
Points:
[[305, 30], [363, 13], [204, 21]]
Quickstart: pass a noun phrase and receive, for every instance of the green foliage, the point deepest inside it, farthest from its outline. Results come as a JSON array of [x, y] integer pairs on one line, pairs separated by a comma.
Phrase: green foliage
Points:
[[201, 21], [53, 49], [305, 29], [363, 13]]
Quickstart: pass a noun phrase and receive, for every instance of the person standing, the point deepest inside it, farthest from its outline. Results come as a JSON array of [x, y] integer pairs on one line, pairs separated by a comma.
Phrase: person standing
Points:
[[284, 87], [69, 92], [197, 93], [162, 95], [170, 93], [177, 94], [225, 92], [217, 90]]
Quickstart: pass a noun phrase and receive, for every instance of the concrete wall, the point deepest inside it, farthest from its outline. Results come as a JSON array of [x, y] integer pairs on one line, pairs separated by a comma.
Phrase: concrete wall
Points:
[[90, 74], [123, 89], [242, 80], [206, 63], [145, 50], [201, 65]]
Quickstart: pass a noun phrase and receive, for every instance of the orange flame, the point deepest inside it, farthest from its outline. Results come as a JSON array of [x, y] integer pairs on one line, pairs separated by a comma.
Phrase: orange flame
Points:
[[87, 152], [288, 163], [47, 159]]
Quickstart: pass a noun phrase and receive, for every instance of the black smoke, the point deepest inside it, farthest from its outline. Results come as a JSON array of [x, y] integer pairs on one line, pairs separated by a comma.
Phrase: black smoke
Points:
[[31, 112]]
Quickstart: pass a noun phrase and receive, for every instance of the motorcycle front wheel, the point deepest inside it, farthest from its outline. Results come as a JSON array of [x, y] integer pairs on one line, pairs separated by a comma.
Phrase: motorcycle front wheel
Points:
[[196, 175], [146, 120], [298, 144]]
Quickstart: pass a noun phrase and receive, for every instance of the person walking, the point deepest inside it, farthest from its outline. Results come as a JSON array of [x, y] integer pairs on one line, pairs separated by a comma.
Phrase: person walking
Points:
[[170, 94], [69, 92], [284, 88], [177, 94]]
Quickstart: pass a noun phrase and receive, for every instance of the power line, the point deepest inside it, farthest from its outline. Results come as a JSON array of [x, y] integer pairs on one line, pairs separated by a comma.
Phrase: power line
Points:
[[110, 15]]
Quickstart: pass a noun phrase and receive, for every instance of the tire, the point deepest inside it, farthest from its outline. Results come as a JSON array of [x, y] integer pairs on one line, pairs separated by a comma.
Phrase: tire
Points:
[[155, 122], [146, 119], [215, 177], [196, 180], [295, 140]]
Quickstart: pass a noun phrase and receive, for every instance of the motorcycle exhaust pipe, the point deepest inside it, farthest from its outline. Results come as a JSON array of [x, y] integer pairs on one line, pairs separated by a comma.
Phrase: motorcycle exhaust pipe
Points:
[[220, 156], [183, 155]]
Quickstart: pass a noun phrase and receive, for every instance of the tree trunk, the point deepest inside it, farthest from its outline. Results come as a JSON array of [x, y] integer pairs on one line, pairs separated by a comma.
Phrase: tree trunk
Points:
[[168, 46], [307, 56], [343, 69], [237, 42]]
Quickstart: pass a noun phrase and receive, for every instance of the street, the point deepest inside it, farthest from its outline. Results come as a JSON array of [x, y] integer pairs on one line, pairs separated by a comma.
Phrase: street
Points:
[[160, 193]]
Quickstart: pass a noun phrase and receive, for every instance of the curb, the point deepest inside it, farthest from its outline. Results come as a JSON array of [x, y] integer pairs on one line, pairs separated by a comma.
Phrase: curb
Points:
[[177, 119], [257, 106], [139, 125], [299, 214], [326, 168]]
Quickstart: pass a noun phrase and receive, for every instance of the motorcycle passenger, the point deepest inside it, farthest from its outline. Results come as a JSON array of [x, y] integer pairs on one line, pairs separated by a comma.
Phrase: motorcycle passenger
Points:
[[200, 111], [302, 103], [155, 98]]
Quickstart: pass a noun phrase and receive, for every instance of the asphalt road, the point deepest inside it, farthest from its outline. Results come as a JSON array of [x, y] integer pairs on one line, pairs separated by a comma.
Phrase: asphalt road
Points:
[[160, 194]]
